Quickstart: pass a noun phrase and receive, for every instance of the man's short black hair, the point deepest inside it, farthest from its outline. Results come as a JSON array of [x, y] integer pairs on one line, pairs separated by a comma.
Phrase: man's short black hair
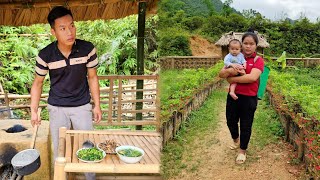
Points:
[[57, 12]]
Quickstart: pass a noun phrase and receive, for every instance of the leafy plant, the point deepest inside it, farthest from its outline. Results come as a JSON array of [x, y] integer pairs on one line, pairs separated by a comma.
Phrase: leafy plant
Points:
[[174, 43], [116, 41], [179, 86], [282, 60], [17, 57]]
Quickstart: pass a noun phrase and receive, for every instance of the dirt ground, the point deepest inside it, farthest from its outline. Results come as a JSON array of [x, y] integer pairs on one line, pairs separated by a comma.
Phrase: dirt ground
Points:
[[216, 161], [202, 47], [212, 159]]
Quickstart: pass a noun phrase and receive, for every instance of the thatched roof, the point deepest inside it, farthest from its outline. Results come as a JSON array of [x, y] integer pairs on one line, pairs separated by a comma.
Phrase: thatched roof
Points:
[[224, 40], [27, 12]]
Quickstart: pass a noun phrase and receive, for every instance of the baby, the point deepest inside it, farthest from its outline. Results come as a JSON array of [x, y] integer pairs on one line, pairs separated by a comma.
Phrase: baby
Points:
[[235, 59]]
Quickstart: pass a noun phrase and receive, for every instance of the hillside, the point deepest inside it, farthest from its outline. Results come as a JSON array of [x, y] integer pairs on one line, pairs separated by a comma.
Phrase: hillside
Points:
[[191, 8], [202, 47], [202, 8]]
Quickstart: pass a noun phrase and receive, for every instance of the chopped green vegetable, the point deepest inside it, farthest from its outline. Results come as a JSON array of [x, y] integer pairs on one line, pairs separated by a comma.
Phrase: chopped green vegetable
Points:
[[130, 153], [90, 154]]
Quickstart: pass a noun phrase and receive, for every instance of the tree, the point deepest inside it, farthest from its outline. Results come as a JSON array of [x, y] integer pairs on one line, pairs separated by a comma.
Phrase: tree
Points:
[[226, 9]]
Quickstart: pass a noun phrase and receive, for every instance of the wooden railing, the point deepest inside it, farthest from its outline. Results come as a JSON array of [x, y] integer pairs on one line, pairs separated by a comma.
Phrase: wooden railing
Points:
[[307, 62], [119, 101]]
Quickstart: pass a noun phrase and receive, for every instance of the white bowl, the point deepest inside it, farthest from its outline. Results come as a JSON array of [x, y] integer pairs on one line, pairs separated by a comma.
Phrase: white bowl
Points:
[[130, 160], [96, 161]]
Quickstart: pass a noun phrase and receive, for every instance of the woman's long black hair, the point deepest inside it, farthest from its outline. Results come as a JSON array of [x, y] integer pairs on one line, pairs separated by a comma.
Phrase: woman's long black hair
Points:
[[251, 33]]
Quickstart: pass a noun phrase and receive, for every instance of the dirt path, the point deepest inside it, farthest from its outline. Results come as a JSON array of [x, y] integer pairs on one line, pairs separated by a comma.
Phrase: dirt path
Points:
[[212, 159], [202, 47]]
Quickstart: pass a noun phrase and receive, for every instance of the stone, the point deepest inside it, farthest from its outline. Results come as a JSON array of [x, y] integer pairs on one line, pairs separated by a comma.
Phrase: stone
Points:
[[17, 142]]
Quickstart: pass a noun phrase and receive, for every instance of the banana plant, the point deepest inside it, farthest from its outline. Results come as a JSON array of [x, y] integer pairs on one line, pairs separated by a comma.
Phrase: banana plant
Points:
[[282, 59]]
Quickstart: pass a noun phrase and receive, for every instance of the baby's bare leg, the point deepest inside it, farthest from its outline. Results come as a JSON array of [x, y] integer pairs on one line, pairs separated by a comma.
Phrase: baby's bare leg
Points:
[[232, 89]]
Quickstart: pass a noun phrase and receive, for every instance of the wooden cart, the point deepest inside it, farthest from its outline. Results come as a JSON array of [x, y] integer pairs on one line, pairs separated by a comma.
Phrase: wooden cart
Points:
[[121, 110]]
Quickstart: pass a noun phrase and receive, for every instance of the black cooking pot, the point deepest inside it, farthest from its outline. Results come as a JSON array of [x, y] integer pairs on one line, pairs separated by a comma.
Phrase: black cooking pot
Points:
[[26, 162]]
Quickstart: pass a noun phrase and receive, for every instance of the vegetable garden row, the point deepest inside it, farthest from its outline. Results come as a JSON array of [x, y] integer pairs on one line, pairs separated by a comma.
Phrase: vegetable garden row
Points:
[[295, 94]]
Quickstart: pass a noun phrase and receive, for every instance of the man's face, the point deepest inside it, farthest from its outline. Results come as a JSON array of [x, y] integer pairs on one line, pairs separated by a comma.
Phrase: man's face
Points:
[[64, 30], [235, 48]]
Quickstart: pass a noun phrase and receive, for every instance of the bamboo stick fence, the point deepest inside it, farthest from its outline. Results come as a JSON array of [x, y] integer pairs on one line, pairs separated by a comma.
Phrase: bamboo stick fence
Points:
[[295, 134], [173, 125]]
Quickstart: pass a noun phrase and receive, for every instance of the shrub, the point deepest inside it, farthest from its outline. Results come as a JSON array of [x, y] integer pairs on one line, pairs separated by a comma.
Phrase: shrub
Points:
[[193, 23], [174, 42]]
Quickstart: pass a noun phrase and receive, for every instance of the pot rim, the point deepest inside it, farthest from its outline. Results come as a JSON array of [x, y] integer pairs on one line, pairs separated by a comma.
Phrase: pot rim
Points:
[[36, 156]]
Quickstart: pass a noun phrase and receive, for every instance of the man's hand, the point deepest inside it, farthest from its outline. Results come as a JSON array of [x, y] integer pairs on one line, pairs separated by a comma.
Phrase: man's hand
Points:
[[35, 118], [97, 114]]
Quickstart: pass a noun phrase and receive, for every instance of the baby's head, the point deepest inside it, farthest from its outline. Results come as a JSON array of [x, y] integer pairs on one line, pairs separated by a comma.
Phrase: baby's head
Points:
[[234, 47]]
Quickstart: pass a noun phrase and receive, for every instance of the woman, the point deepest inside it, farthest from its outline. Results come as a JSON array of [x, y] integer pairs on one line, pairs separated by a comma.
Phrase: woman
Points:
[[244, 107]]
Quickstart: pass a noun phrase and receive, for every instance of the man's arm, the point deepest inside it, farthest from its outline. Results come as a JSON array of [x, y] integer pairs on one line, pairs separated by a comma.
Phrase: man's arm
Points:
[[247, 78], [36, 91], [95, 93]]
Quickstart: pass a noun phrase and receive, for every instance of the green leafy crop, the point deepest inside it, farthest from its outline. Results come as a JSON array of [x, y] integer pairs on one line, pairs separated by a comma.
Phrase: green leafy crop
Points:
[[90, 154]]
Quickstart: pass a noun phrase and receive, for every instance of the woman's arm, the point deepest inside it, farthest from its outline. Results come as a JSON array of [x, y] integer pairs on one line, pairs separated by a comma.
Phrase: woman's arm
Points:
[[247, 78], [232, 71]]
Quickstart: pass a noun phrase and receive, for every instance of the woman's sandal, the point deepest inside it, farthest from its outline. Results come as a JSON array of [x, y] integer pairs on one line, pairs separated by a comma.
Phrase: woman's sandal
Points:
[[241, 158], [235, 145]]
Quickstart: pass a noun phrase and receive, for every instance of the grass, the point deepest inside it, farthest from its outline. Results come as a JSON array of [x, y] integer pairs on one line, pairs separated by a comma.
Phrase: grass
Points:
[[266, 130], [266, 126], [199, 124]]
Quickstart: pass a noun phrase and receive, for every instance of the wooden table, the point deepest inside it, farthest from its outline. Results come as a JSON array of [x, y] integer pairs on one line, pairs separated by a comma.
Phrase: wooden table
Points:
[[71, 140]]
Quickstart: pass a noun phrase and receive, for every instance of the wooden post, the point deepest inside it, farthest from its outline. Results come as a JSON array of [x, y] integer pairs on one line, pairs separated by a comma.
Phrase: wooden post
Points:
[[62, 142], [140, 55], [60, 161], [158, 107], [6, 100], [287, 128], [110, 109], [301, 145], [133, 97], [119, 114], [1, 89], [174, 121], [59, 165]]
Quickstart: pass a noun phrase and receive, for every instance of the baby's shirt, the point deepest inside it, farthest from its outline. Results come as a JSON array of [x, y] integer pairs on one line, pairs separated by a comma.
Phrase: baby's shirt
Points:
[[230, 59]]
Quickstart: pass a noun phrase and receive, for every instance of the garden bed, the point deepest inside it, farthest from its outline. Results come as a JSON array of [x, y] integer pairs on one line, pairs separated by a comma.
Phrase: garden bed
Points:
[[179, 117], [183, 91], [301, 130]]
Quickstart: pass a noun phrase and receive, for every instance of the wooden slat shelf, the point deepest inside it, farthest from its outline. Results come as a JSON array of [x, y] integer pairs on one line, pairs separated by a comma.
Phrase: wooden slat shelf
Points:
[[121, 105], [150, 142]]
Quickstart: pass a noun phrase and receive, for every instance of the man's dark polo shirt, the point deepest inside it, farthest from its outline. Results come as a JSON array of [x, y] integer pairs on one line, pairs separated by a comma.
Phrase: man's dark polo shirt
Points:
[[68, 76]]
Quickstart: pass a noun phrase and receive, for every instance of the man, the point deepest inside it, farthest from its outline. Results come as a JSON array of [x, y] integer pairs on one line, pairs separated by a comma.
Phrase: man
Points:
[[71, 65]]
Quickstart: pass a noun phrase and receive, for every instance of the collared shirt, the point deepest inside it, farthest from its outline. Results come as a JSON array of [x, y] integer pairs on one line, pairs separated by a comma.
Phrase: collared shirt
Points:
[[68, 76], [250, 89]]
